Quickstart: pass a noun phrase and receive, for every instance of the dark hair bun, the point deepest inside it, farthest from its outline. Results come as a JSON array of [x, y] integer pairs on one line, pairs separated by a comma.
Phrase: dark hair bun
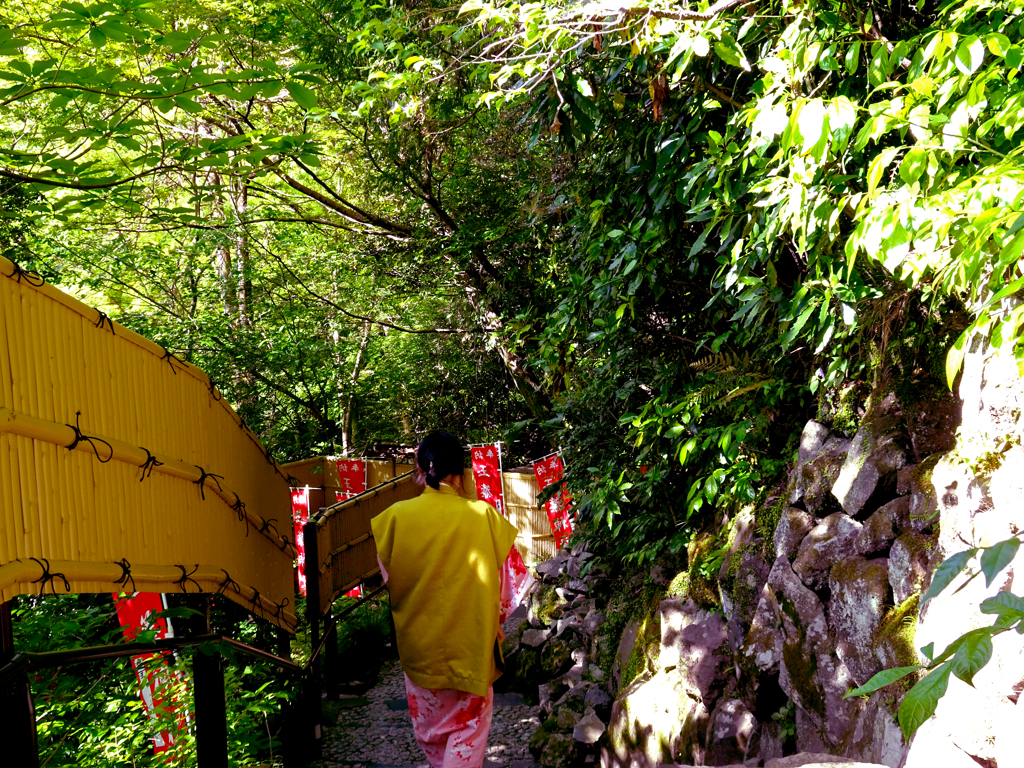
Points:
[[439, 455]]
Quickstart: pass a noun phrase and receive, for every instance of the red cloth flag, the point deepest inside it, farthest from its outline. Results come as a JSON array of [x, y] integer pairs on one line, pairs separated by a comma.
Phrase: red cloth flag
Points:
[[352, 476], [549, 470], [487, 476], [136, 614], [300, 515]]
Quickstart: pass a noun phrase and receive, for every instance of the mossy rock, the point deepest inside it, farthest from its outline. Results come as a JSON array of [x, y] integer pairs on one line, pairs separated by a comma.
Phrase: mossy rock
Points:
[[895, 647], [707, 553]]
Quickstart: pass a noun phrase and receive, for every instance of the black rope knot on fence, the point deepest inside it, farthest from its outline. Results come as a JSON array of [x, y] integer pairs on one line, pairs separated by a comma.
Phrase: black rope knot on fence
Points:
[[268, 524], [214, 391], [285, 543], [257, 602], [239, 507], [32, 278], [201, 482], [48, 578], [186, 576], [104, 319], [149, 464], [126, 574], [278, 607], [228, 583], [80, 438], [171, 358]]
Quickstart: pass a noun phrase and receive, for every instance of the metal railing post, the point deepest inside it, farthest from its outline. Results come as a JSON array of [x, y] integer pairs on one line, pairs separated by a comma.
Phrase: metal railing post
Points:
[[16, 708], [211, 709], [313, 705]]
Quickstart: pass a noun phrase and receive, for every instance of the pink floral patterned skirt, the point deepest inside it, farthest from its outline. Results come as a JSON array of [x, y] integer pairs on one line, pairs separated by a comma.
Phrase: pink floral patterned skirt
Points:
[[451, 726]]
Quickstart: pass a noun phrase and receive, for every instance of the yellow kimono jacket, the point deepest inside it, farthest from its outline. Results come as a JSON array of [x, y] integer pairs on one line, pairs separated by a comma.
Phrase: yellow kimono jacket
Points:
[[443, 555]]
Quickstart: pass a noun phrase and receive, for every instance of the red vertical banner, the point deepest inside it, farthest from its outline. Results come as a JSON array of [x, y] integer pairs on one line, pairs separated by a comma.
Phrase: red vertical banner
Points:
[[136, 613], [487, 475], [300, 515], [352, 477], [549, 470]]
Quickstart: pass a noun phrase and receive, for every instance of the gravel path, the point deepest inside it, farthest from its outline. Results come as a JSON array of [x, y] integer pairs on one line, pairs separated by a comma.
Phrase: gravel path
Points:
[[374, 730]]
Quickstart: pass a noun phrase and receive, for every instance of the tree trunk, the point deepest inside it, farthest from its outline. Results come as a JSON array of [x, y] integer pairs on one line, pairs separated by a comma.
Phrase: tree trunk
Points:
[[222, 261]]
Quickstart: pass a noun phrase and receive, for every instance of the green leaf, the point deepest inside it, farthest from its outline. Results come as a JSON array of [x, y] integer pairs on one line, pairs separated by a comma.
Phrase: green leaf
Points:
[[882, 679], [302, 95], [920, 702], [950, 568], [973, 654], [1006, 606], [877, 168], [955, 359], [970, 54], [914, 165], [998, 44], [852, 58], [97, 37], [997, 557]]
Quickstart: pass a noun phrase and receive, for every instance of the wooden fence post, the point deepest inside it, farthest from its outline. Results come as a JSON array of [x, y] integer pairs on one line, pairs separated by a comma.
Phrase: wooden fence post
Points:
[[312, 687], [211, 709], [16, 710]]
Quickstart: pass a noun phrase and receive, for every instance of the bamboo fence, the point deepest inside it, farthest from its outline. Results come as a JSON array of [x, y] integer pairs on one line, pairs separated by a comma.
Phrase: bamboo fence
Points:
[[345, 548], [122, 469], [320, 475]]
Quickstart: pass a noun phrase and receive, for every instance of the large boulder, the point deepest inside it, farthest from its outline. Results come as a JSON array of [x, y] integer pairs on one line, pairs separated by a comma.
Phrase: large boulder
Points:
[[812, 481], [831, 540], [816, 760], [873, 459], [693, 644], [810, 673], [655, 721], [739, 586], [731, 731], [881, 529], [860, 591], [762, 647], [794, 525], [911, 559]]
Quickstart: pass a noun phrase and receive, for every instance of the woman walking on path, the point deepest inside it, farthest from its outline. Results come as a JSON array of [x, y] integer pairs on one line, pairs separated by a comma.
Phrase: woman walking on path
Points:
[[442, 558]]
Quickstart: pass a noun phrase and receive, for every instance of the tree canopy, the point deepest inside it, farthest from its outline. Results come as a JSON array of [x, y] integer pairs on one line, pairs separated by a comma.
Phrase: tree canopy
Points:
[[653, 234]]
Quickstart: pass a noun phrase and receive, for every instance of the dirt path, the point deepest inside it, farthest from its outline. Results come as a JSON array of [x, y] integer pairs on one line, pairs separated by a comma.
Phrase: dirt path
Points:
[[374, 730]]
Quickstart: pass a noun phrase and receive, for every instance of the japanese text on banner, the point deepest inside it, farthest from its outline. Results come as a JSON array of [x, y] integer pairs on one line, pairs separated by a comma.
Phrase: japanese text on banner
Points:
[[300, 515], [549, 470], [352, 478], [487, 475]]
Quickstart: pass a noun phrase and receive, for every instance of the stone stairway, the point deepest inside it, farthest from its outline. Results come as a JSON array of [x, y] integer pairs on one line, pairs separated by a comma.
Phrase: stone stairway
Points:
[[374, 731]]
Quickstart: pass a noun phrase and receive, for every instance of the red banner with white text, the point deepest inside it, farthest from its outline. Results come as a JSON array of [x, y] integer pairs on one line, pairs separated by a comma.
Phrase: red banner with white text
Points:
[[352, 476], [487, 475], [300, 515], [136, 614], [549, 470], [516, 579]]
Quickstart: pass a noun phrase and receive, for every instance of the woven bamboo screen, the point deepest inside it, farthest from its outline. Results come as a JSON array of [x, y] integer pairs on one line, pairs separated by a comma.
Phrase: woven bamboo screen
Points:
[[163, 487], [534, 542], [320, 474], [345, 548]]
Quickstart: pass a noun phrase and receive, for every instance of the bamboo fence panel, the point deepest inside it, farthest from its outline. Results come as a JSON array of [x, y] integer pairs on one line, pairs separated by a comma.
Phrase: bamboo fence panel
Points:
[[320, 474], [344, 539], [345, 546], [534, 541], [164, 487]]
